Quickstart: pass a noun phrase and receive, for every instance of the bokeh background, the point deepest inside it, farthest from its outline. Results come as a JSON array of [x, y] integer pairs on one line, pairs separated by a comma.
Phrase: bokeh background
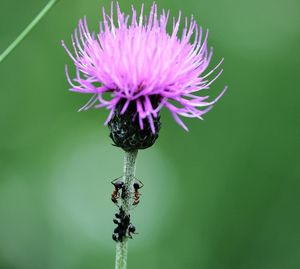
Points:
[[226, 195]]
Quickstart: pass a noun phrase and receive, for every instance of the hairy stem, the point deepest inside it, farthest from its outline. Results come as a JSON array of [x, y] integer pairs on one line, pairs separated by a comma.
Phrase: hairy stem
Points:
[[128, 177], [28, 29]]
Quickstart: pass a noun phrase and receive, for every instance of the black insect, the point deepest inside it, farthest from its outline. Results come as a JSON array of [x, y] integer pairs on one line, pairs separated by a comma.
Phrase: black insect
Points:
[[124, 227], [115, 237], [119, 185], [131, 230], [137, 185]]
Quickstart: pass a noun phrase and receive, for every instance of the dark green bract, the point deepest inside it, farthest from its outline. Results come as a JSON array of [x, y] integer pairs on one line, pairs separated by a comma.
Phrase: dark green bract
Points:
[[125, 130]]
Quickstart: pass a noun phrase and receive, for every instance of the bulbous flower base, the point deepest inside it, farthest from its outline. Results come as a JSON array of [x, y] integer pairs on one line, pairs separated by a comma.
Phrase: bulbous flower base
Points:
[[126, 132]]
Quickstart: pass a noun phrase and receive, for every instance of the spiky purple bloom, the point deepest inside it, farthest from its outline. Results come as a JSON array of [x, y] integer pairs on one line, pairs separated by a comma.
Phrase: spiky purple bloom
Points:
[[136, 60]]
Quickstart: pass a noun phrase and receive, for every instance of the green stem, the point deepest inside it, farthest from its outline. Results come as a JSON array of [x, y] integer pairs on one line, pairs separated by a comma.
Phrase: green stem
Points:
[[28, 29], [129, 171]]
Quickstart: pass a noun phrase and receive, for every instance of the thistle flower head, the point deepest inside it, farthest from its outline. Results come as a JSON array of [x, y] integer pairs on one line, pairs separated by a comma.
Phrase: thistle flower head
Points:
[[141, 65]]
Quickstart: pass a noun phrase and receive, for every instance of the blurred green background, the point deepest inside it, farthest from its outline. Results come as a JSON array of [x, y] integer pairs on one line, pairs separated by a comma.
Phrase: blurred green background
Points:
[[226, 195]]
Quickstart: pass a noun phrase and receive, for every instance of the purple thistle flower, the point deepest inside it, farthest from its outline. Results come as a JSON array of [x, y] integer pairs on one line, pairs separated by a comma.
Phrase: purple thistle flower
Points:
[[136, 59]]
